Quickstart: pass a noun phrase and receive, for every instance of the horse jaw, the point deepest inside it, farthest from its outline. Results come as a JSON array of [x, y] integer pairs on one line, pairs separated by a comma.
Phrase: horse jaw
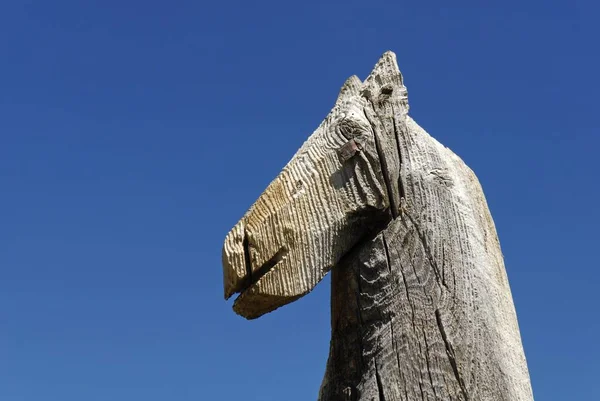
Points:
[[330, 195]]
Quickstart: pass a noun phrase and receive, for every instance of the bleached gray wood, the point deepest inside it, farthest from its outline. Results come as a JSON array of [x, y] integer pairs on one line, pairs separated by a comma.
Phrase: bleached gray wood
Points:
[[421, 305]]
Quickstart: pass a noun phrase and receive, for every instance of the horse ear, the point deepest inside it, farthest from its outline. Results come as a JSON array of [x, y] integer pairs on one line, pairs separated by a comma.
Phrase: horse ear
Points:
[[386, 79], [386, 71], [351, 87]]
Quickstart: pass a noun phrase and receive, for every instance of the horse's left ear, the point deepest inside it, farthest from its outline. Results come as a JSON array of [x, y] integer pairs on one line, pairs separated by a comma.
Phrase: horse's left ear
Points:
[[351, 87]]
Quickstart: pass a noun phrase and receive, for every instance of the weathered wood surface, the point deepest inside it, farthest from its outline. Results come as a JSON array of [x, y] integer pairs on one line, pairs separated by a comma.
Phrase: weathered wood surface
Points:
[[421, 305]]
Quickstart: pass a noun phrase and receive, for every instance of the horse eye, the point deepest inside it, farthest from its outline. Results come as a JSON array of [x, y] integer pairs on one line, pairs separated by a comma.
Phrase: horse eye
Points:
[[350, 127]]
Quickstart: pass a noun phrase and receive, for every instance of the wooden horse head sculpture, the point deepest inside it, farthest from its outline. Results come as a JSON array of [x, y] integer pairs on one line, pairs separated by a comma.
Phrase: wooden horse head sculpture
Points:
[[421, 305]]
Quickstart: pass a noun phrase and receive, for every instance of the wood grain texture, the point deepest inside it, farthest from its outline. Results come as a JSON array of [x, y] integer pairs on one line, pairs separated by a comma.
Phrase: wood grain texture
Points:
[[421, 305], [432, 316]]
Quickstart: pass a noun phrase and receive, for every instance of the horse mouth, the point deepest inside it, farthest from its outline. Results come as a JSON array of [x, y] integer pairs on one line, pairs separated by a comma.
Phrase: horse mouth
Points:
[[251, 302], [242, 275], [253, 275]]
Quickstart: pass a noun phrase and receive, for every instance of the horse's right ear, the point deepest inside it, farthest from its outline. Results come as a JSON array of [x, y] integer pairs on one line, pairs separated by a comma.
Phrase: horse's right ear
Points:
[[386, 71], [386, 82]]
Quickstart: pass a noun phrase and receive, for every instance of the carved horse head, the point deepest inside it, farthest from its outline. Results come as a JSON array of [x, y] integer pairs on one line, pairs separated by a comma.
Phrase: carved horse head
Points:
[[339, 187], [421, 306]]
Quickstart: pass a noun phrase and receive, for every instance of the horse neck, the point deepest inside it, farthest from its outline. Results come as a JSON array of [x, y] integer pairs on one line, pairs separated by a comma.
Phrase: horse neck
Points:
[[361, 310], [407, 325]]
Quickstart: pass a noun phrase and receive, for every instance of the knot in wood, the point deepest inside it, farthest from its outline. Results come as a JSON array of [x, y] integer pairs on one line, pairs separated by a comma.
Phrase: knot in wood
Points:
[[349, 149]]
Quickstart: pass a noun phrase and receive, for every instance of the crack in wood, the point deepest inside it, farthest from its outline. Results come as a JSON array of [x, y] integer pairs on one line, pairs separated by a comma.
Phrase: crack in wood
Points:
[[384, 166], [451, 355], [410, 303], [397, 138], [427, 362], [379, 384]]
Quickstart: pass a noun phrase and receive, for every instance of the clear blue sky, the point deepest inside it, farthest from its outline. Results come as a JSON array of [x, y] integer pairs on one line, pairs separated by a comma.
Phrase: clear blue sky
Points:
[[134, 134]]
